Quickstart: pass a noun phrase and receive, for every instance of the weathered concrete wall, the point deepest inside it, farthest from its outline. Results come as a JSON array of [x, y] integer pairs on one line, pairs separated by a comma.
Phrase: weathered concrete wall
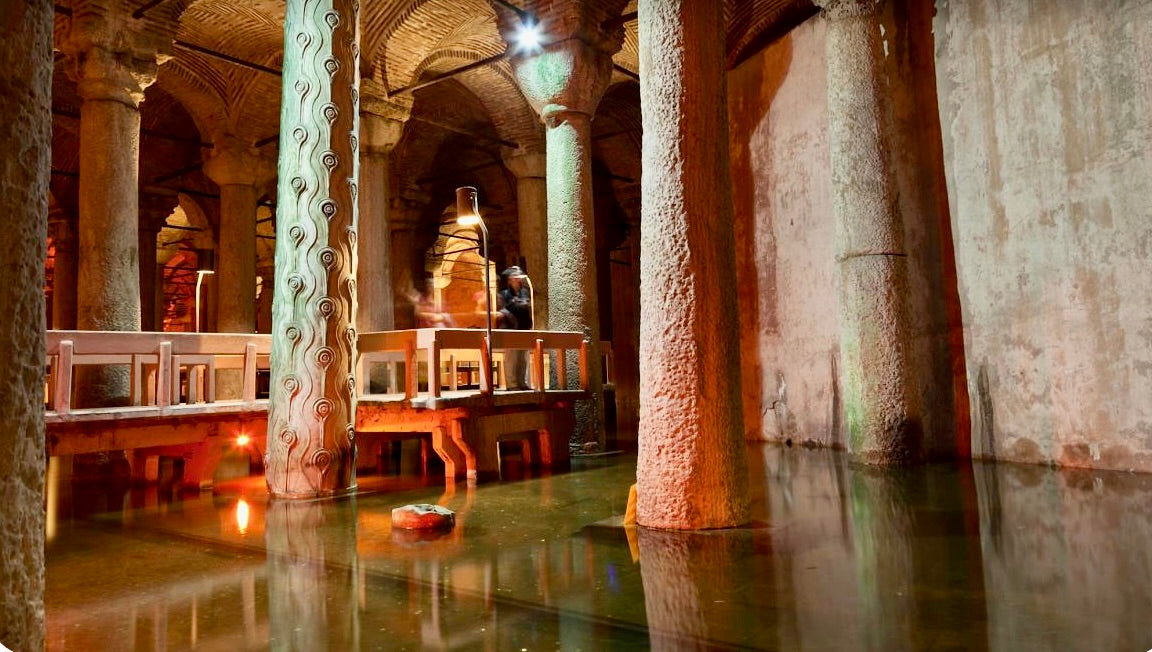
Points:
[[782, 197], [25, 153], [1046, 117], [785, 235]]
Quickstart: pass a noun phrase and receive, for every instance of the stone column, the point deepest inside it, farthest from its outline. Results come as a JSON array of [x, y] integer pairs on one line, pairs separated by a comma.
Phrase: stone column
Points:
[[564, 83], [63, 232], [241, 173], [25, 163], [312, 410], [378, 135], [152, 216], [691, 472], [111, 86], [880, 411], [532, 205]]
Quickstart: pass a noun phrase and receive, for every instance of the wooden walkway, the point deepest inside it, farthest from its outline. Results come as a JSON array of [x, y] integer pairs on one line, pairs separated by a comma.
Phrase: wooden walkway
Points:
[[181, 403]]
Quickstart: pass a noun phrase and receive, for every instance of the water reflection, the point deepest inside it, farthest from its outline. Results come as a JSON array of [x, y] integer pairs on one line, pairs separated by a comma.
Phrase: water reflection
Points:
[[312, 573], [840, 557], [1066, 557]]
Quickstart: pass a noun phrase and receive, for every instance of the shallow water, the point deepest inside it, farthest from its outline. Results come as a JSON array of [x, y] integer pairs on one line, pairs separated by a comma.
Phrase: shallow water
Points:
[[997, 557]]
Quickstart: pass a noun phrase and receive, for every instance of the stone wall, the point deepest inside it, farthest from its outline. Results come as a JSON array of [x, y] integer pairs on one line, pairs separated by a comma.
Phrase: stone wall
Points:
[[785, 233], [1046, 124]]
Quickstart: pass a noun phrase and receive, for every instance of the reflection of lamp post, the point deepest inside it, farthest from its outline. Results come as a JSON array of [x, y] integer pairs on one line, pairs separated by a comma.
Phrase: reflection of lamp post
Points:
[[205, 264], [468, 214]]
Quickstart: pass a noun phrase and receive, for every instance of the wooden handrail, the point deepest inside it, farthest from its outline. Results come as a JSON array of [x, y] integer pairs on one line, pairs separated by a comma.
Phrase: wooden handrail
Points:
[[171, 351], [129, 342], [68, 349]]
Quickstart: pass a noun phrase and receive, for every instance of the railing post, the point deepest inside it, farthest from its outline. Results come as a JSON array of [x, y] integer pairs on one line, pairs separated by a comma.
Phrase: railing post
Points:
[[562, 368], [609, 362], [583, 365], [434, 368], [62, 396], [248, 390], [164, 375], [485, 365], [453, 380], [538, 366], [412, 379]]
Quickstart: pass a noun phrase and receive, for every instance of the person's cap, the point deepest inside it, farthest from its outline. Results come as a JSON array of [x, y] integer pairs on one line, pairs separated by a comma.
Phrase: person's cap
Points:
[[512, 272]]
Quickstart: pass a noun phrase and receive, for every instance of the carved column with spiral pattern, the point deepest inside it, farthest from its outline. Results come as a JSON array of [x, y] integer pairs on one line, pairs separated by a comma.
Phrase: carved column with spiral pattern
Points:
[[312, 411]]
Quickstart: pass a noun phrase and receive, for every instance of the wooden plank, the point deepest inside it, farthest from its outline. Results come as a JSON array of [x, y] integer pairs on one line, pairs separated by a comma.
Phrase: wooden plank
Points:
[[434, 368], [538, 382], [164, 376], [248, 390], [412, 382], [583, 362], [485, 367], [562, 369], [62, 398], [129, 342], [382, 341]]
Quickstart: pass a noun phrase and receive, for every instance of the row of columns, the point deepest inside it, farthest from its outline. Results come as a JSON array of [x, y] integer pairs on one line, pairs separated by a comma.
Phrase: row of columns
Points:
[[691, 463], [684, 265], [691, 435]]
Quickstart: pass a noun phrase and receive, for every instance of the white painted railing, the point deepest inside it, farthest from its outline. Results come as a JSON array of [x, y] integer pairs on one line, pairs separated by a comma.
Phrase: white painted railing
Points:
[[156, 361], [456, 346]]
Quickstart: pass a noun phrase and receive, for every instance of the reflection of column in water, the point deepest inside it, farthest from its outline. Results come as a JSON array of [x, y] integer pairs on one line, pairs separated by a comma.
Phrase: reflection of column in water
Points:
[[881, 540], [686, 575], [312, 568], [910, 536]]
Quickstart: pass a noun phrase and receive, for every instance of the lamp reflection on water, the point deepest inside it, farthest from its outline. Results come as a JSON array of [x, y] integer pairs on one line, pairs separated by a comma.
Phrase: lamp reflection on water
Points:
[[242, 511]]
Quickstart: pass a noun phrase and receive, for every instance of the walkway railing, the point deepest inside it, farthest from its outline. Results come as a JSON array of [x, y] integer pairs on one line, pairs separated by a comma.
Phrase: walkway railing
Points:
[[156, 361], [457, 346]]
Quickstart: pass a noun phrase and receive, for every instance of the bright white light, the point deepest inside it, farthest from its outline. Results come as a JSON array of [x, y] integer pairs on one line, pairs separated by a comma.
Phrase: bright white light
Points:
[[242, 516], [528, 36], [242, 440], [468, 220]]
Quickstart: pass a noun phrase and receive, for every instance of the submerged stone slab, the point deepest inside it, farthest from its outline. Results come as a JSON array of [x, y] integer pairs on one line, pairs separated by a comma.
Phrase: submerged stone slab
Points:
[[423, 517]]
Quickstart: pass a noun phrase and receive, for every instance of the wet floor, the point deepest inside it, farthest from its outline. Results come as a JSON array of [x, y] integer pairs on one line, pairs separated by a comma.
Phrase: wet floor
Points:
[[840, 557]]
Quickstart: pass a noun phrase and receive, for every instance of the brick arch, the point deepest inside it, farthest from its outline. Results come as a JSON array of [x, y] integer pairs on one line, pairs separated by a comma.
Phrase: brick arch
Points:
[[494, 86], [425, 26], [232, 98]]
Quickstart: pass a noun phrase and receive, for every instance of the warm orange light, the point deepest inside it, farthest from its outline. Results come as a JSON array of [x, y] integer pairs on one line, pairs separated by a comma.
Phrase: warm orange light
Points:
[[243, 440], [242, 516]]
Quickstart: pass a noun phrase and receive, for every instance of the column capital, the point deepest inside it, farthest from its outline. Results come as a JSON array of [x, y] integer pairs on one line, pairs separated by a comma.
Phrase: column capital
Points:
[[379, 134], [527, 165], [62, 230], [839, 9], [568, 76], [236, 163], [374, 100], [154, 210], [114, 76]]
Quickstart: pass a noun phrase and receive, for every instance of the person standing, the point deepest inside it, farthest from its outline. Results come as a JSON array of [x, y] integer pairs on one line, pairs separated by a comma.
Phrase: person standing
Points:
[[515, 304]]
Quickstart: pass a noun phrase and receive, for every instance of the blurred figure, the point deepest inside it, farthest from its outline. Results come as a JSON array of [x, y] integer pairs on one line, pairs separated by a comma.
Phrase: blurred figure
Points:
[[515, 305], [428, 314]]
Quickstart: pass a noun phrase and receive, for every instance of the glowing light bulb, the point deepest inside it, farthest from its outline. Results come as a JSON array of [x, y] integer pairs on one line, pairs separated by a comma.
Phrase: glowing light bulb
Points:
[[528, 36], [243, 440]]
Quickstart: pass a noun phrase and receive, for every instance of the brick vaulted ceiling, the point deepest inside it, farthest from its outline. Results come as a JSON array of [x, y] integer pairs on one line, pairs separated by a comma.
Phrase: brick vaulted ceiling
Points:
[[404, 42]]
